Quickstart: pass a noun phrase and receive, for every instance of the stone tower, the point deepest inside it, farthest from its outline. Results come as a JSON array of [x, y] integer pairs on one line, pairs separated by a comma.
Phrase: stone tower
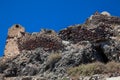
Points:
[[11, 48]]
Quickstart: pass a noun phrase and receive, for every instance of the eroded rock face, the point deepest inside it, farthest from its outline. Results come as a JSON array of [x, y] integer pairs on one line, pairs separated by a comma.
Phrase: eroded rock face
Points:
[[80, 33], [101, 18], [98, 39], [35, 62], [102, 31], [112, 50]]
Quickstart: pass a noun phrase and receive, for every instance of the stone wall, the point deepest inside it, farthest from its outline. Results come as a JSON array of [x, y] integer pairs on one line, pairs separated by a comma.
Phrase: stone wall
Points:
[[49, 41], [15, 31], [11, 48], [19, 40]]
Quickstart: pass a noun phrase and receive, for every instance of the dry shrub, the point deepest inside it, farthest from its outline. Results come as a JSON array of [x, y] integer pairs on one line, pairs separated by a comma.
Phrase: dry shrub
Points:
[[94, 68], [54, 57], [112, 67], [87, 69]]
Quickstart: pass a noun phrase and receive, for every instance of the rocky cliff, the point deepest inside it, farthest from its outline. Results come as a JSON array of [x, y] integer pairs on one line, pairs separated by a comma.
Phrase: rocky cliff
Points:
[[88, 49]]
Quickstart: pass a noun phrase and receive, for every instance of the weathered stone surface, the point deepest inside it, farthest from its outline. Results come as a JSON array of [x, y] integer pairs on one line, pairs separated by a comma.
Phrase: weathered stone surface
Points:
[[80, 33], [48, 40], [101, 18], [11, 48], [98, 39], [19, 40]]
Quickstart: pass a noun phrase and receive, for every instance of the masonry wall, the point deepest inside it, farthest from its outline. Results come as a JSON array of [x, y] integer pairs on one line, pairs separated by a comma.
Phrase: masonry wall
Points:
[[11, 48], [19, 40]]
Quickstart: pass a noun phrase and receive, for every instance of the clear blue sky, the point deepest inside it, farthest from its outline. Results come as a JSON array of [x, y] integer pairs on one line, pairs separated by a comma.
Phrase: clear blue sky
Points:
[[50, 14]]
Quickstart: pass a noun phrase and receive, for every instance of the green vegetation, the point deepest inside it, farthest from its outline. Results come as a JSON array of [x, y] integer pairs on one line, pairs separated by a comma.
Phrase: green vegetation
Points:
[[65, 79]]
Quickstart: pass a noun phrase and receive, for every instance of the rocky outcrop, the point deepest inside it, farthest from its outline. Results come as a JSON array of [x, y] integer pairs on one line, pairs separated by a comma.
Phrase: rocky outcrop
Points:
[[98, 18], [49, 55], [37, 61], [80, 33]]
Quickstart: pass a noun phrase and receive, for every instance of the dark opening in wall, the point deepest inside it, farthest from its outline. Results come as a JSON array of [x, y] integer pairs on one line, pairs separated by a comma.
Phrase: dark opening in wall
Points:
[[17, 26], [100, 52]]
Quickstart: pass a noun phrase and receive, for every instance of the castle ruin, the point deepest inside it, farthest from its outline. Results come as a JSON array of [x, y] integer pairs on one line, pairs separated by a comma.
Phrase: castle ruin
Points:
[[19, 40], [11, 48]]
